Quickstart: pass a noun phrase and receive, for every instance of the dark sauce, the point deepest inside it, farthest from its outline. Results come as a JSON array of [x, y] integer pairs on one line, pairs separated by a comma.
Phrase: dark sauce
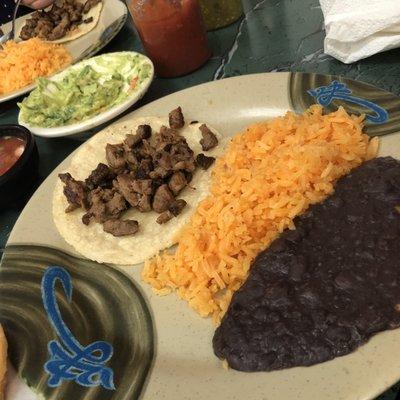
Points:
[[11, 149], [324, 289]]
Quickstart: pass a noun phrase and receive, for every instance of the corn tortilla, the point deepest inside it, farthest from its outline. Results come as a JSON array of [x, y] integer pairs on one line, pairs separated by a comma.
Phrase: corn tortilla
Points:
[[91, 241], [81, 29]]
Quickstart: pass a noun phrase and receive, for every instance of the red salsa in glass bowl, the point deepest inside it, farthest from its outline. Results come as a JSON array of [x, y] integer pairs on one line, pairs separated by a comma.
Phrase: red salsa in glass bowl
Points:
[[19, 161], [11, 149]]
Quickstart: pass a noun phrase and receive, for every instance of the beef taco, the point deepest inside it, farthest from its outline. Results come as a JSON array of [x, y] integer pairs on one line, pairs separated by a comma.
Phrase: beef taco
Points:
[[131, 188], [62, 22]]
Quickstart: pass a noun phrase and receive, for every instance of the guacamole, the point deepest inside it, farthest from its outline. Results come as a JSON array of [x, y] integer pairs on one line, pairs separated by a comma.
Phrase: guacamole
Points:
[[83, 92]]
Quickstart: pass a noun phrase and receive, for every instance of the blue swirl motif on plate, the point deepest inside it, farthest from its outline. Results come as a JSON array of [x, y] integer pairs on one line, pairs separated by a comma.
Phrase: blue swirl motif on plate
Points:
[[337, 90], [69, 360]]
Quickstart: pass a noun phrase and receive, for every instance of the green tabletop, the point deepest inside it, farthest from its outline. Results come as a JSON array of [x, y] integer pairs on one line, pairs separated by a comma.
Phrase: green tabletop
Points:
[[273, 35]]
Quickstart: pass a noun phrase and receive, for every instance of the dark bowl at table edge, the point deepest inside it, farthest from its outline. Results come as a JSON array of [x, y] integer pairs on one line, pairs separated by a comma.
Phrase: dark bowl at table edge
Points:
[[21, 177]]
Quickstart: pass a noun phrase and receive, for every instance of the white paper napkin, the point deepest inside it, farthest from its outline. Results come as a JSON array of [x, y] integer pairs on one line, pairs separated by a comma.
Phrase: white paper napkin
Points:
[[356, 29]]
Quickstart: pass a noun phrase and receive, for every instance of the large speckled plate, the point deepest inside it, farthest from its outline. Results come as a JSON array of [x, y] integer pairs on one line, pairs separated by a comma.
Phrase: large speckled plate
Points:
[[156, 347], [112, 19]]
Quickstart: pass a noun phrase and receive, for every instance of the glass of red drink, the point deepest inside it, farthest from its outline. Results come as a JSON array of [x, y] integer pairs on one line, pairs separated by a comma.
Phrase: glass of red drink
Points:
[[173, 34]]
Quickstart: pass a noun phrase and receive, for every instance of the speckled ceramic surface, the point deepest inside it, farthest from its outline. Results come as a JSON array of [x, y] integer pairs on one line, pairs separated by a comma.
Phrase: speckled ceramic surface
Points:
[[112, 304], [112, 19]]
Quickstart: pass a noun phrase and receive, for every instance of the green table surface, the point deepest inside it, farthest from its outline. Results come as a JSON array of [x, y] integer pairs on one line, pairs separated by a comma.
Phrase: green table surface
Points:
[[273, 35]]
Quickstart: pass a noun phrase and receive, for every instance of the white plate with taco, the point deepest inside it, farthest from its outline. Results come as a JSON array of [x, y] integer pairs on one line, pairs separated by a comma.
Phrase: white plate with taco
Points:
[[49, 46], [90, 226]]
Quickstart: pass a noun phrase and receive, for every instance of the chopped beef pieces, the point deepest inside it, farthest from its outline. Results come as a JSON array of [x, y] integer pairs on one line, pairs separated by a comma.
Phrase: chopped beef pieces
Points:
[[106, 204], [89, 5], [143, 186], [44, 28], [97, 208], [26, 33], [133, 140], [119, 227], [61, 29], [173, 211], [101, 176], [181, 151], [159, 172], [75, 192], [163, 160], [145, 171], [177, 206], [156, 183], [86, 218], [203, 161], [164, 217], [131, 159], [177, 182], [176, 119], [125, 186], [74, 10], [173, 158], [36, 28], [146, 150], [144, 203], [71, 207], [168, 135], [116, 205], [142, 132], [163, 146], [63, 17], [209, 140], [136, 192], [188, 175], [322, 290], [55, 14], [163, 198], [115, 156], [66, 177], [189, 166]]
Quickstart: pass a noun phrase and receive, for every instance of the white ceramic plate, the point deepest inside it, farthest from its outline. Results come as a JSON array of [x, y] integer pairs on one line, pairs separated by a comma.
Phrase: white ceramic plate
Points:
[[112, 19], [73, 129], [163, 349]]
